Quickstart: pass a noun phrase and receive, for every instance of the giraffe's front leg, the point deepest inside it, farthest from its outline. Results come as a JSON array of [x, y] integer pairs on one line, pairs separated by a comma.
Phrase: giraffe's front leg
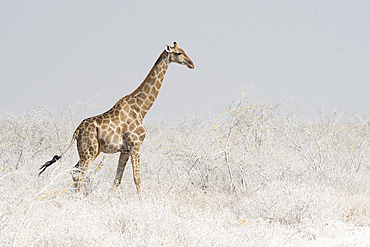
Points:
[[123, 158], [135, 160], [135, 140]]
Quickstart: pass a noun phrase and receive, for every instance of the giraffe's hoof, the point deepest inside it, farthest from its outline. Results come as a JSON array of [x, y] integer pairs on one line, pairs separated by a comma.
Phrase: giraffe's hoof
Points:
[[116, 183]]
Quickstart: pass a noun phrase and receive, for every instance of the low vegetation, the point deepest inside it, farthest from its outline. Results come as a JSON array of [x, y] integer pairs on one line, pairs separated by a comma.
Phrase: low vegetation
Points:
[[255, 175]]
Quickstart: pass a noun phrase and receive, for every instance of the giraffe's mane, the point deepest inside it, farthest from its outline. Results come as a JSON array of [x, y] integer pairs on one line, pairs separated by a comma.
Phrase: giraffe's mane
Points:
[[160, 58]]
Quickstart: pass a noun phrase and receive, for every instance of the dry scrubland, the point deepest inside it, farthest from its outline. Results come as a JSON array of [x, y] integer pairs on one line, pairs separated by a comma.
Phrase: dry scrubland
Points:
[[253, 176]]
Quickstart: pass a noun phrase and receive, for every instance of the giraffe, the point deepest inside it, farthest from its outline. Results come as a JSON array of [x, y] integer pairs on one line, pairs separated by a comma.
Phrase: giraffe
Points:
[[121, 128]]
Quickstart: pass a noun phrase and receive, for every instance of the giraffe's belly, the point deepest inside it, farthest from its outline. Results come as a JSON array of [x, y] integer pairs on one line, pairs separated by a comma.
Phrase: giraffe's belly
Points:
[[113, 144]]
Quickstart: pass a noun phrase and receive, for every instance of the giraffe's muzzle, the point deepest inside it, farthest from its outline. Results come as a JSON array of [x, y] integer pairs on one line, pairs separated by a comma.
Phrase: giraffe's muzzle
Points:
[[189, 64]]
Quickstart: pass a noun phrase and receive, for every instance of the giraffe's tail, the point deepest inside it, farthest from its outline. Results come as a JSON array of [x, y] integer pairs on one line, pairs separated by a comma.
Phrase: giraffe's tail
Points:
[[57, 157]]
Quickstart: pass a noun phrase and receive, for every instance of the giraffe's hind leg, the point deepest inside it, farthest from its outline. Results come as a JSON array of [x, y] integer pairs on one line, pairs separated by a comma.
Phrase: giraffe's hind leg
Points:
[[88, 150], [78, 174]]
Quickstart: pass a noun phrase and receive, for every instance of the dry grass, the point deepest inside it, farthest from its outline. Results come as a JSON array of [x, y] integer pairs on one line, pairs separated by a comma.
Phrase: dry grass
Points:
[[253, 176]]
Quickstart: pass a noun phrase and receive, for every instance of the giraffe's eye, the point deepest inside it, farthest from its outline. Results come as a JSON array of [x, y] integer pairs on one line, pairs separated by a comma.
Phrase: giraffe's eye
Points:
[[177, 53]]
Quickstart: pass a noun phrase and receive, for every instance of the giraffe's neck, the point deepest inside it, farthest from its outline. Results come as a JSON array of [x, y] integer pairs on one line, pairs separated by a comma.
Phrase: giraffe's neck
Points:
[[144, 96]]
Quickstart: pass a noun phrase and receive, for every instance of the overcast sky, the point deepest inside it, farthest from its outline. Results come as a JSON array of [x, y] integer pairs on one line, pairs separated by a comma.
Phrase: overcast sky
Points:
[[311, 53]]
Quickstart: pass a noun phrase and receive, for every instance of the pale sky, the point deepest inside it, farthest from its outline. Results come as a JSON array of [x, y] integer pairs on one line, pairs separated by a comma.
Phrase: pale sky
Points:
[[310, 53]]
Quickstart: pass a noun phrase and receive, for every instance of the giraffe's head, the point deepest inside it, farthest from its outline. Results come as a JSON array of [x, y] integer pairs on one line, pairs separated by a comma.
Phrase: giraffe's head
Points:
[[179, 56]]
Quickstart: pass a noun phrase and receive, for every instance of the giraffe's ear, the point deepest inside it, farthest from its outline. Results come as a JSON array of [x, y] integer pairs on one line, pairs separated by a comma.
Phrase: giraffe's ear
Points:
[[168, 48]]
